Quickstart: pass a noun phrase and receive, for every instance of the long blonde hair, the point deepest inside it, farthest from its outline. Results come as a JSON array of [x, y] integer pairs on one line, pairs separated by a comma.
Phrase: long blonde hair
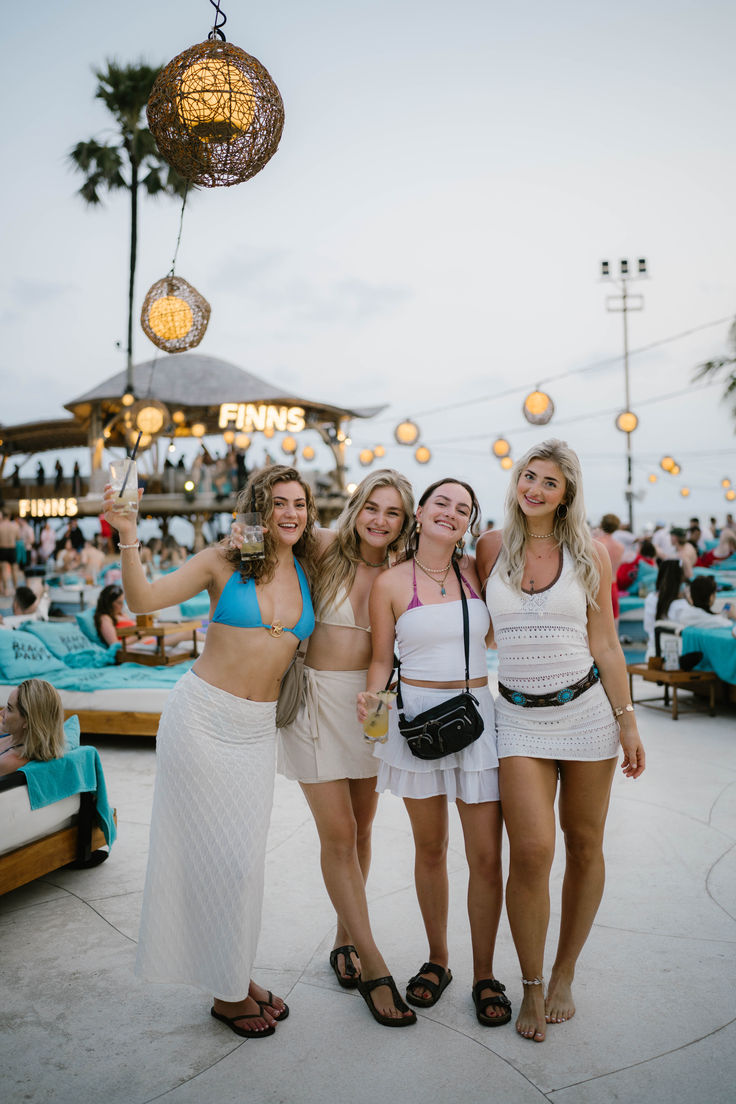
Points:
[[572, 530], [339, 562], [257, 496], [39, 705]]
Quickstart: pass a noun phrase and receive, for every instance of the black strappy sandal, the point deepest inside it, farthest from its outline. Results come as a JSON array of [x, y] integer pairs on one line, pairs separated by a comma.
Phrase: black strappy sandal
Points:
[[436, 988], [482, 1004], [365, 988], [348, 980]]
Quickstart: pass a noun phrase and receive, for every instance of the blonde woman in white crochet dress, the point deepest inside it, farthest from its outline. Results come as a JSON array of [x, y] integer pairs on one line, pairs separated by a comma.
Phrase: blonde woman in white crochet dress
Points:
[[562, 715]]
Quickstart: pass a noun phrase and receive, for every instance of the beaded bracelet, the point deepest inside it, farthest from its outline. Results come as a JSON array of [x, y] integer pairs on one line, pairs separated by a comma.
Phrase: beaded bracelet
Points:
[[136, 545]]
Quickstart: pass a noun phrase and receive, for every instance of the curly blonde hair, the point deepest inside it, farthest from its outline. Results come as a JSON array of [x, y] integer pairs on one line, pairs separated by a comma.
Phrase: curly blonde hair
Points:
[[39, 704], [338, 564], [257, 496], [572, 530]]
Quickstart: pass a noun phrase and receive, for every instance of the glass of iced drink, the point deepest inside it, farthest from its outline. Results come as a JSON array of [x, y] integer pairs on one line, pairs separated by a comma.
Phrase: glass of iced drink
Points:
[[251, 547], [124, 481], [375, 726]]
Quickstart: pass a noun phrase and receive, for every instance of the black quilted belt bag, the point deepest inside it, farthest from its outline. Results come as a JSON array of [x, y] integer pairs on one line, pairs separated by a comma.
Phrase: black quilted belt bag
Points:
[[452, 725]]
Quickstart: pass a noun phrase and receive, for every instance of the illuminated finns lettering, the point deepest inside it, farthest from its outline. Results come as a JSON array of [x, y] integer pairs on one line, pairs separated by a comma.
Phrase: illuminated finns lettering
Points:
[[257, 417], [48, 507]]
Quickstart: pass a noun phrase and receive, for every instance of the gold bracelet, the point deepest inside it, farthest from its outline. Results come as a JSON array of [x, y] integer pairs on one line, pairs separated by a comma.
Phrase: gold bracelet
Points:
[[619, 709]]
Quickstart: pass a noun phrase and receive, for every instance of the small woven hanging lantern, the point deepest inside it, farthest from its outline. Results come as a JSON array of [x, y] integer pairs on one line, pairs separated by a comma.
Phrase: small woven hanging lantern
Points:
[[730, 495], [174, 315], [538, 408], [216, 114], [366, 457], [308, 452], [506, 463], [151, 416], [407, 432], [422, 455], [379, 452], [501, 447]]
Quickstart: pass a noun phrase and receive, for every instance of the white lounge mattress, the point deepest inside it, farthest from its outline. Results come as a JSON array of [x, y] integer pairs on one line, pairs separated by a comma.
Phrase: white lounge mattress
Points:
[[19, 824]]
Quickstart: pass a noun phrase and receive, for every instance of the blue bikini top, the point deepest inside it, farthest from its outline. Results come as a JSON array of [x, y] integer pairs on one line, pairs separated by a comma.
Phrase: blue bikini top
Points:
[[238, 607]]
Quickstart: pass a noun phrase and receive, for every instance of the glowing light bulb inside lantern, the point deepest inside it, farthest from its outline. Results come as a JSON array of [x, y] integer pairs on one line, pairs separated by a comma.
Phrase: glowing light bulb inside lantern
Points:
[[170, 318], [216, 100], [150, 419]]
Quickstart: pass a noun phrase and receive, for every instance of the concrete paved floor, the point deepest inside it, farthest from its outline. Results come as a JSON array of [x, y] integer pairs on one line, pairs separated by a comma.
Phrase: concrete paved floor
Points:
[[656, 1018]]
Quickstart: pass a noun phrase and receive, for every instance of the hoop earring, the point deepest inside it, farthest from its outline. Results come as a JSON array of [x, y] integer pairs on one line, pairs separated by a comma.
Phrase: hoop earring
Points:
[[561, 511], [460, 546]]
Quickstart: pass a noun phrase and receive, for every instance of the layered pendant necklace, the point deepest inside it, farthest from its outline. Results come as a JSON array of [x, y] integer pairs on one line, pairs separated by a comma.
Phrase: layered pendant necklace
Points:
[[430, 572]]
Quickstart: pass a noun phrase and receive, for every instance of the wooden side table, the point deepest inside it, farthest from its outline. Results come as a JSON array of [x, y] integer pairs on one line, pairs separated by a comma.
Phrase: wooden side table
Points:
[[161, 630]]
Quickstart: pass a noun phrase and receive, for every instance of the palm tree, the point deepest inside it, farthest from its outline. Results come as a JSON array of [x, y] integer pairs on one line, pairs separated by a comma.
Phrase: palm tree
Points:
[[130, 162], [713, 367]]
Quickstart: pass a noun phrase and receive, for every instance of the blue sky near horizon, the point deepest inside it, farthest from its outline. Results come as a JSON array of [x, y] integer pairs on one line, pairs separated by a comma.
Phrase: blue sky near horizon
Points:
[[428, 234]]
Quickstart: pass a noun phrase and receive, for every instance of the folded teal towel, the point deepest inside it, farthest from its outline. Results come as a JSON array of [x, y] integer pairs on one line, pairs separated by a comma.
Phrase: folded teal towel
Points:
[[79, 771], [92, 657]]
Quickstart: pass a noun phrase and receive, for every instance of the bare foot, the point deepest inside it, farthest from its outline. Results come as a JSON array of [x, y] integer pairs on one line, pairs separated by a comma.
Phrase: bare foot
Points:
[[383, 1002], [275, 1006], [247, 1014], [559, 1005], [530, 1022]]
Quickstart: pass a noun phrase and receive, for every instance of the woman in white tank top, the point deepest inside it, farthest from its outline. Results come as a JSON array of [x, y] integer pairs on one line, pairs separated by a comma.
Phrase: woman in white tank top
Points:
[[417, 606], [562, 712]]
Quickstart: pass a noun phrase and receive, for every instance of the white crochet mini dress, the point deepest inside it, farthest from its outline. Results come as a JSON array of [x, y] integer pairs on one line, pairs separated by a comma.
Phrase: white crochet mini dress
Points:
[[543, 646]]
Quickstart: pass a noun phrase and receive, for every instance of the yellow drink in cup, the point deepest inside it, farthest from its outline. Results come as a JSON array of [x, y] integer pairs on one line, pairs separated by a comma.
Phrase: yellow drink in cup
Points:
[[375, 726], [124, 477], [251, 547]]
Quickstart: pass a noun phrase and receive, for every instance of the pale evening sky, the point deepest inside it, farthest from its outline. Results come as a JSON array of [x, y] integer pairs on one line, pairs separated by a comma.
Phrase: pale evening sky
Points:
[[428, 234]]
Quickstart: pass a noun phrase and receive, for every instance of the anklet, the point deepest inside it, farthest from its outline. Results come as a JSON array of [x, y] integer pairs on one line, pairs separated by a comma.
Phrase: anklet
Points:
[[534, 981]]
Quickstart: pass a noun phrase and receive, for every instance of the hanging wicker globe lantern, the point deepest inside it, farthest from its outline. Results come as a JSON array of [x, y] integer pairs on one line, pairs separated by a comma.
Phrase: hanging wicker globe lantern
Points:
[[308, 452], [379, 451], [366, 457], [216, 114], [506, 463], [538, 408], [627, 421], [242, 441], [422, 455], [726, 482], [667, 463], [685, 492], [730, 495], [174, 315], [150, 416], [501, 447], [289, 445]]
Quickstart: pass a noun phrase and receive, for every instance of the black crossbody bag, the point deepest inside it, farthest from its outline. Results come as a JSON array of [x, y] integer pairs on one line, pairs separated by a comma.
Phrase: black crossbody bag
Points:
[[452, 725]]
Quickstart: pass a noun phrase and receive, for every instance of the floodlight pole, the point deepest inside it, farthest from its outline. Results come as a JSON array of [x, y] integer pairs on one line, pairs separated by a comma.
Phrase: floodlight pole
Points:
[[622, 304]]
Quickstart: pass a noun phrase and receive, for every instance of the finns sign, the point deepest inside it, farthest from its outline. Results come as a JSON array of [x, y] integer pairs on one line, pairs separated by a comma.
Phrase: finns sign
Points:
[[251, 417]]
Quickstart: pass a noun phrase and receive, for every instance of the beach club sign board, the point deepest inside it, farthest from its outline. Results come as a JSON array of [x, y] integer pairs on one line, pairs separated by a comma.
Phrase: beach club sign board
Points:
[[254, 417], [48, 507]]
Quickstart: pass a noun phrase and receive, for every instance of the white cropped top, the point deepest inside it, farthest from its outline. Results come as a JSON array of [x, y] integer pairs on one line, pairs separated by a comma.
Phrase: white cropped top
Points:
[[430, 641]]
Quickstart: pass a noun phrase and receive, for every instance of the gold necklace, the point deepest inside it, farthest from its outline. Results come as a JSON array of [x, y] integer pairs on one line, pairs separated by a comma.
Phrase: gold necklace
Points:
[[541, 536], [432, 570], [440, 582]]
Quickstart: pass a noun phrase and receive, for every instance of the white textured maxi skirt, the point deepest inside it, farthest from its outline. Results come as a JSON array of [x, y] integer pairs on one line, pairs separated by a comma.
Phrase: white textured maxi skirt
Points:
[[212, 802]]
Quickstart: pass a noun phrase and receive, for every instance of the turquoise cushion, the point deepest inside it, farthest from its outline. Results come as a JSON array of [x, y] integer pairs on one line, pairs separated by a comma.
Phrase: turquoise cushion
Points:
[[62, 639], [86, 622], [646, 576], [198, 606], [23, 656], [72, 733]]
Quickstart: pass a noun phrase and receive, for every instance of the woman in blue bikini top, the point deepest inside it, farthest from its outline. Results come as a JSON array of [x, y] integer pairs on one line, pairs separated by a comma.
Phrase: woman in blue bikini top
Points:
[[258, 613]]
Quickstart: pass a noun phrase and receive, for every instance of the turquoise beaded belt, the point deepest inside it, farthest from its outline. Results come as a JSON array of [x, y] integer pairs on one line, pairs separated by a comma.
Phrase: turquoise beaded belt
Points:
[[559, 697]]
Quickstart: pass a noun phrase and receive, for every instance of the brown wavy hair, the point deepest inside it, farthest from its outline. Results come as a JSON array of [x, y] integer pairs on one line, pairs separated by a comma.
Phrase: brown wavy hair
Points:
[[257, 496], [412, 541]]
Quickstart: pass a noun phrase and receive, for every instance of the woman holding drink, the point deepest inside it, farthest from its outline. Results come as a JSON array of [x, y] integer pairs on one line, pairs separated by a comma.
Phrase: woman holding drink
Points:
[[323, 748], [417, 606], [563, 711], [215, 750]]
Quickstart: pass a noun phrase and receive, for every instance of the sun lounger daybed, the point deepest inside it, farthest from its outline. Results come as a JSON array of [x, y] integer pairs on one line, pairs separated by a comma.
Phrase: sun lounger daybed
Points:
[[53, 814], [124, 699]]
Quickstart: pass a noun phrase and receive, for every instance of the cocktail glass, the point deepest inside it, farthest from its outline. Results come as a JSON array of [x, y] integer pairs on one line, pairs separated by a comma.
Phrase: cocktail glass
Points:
[[124, 481], [251, 547], [375, 726]]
